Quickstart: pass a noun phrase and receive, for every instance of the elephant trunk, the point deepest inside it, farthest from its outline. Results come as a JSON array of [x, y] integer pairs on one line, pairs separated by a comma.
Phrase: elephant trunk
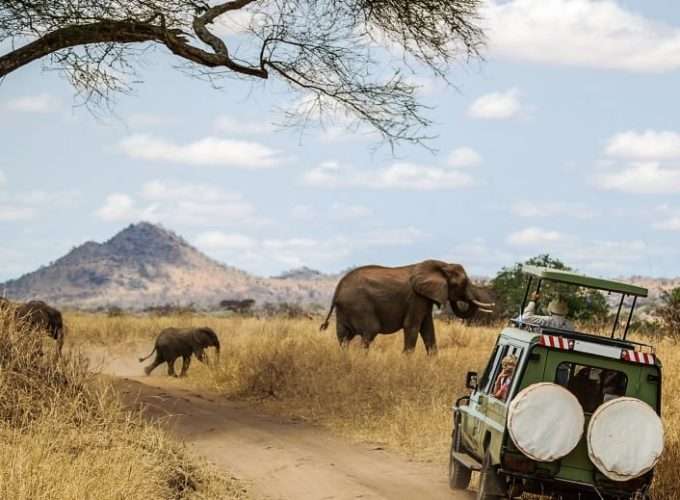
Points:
[[464, 313]]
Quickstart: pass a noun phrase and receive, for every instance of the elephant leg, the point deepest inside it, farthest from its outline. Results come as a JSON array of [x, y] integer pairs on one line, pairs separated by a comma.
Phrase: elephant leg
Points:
[[410, 338], [186, 360], [157, 361], [427, 334], [171, 367], [367, 339], [200, 355], [344, 333]]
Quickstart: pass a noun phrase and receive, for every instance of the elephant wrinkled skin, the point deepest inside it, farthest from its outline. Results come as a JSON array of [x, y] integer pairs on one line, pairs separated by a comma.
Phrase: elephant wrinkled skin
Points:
[[375, 299], [173, 343]]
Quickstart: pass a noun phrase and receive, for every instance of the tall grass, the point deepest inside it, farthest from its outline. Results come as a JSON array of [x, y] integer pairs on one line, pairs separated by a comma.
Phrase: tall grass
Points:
[[64, 434], [382, 396]]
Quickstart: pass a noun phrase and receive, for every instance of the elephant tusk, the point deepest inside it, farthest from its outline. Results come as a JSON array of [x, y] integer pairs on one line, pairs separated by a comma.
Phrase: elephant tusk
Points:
[[488, 311], [483, 304]]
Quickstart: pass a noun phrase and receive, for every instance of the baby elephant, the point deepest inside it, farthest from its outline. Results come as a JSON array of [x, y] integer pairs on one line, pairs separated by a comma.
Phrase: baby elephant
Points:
[[172, 343]]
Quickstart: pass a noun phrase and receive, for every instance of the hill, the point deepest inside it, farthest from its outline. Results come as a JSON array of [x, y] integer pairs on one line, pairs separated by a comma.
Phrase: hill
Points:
[[147, 265]]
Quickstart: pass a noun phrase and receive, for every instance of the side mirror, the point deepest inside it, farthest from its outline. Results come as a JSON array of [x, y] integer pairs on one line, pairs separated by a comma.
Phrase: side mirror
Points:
[[471, 380]]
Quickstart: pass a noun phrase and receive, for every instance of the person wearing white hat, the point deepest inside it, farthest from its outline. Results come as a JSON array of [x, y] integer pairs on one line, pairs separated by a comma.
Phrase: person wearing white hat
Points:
[[557, 308]]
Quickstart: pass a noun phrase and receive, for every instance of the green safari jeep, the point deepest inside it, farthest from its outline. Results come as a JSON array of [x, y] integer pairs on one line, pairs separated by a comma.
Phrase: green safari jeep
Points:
[[580, 417]]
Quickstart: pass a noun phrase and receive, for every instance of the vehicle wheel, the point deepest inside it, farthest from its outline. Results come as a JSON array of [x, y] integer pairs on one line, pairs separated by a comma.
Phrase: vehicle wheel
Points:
[[459, 475], [487, 481]]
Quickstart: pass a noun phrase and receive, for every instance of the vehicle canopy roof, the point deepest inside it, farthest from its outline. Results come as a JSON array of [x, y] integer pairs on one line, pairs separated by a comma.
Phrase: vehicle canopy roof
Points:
[[572, 278]]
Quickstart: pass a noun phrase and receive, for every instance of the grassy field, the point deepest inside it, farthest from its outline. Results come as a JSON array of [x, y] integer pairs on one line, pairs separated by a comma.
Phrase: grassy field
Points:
[[64, 434], [382, 396]]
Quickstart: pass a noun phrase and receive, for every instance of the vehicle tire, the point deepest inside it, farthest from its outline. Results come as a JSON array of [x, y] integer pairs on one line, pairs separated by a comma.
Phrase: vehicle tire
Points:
[[485, 480], [459, 475]]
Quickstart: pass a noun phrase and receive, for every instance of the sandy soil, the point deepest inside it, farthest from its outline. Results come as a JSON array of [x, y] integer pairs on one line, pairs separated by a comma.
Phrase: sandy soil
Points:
[[278, 458]]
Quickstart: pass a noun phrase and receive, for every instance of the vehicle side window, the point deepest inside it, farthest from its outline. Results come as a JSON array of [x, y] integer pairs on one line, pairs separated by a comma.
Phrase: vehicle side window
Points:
[[592, 386], [495, 368], [505, 375], [489, 369]]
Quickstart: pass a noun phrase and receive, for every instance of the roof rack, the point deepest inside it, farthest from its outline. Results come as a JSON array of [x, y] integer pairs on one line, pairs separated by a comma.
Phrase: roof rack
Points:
[[572, 278]]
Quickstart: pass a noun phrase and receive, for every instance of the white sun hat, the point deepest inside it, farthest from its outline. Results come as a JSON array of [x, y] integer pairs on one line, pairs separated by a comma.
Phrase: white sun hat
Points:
[[558, 306], [625, 438], [545, 421]]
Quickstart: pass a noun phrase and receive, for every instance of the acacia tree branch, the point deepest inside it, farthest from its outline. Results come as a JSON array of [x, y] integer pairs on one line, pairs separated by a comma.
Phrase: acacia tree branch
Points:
[[132, 31], [72, 36], [349, 56]]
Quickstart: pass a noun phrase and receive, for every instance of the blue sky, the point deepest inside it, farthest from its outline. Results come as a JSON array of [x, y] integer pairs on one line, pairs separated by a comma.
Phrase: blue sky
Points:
[[565, 139]]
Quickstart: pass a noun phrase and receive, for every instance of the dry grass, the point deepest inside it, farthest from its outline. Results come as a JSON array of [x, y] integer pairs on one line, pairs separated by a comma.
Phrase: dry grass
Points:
[[64, 435], [379, 396]]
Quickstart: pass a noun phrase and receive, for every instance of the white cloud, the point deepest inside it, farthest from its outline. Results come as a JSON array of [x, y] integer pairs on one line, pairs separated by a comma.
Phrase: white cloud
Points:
[[496, 106], [229, 125], [647, 145], [399, 176], [180, 203], [479, 257], [217, 240], [534, 236], [640, 178], [552, 209], [593, 33], [669, 224], [464, 157], [15, 213], [206, 151], [118, 207], [158, 190], [41, 103], [606, 256]]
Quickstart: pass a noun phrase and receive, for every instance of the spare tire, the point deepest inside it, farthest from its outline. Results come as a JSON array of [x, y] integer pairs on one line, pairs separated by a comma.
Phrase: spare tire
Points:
[[625, 438], [545, 421]]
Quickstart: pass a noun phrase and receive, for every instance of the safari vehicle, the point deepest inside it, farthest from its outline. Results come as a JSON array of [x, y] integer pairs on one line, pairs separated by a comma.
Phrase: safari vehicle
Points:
[[581, 417]]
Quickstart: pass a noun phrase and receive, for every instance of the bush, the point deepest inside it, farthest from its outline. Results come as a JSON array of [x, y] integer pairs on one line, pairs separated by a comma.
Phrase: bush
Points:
[[669, 313]]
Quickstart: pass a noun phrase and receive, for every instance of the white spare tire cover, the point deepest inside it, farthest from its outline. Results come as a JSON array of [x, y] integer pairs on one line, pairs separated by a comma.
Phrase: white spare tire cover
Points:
[[625, 438], [545, 421]]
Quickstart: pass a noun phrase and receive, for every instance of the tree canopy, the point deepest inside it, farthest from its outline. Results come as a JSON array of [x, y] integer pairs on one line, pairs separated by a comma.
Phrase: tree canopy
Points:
[[510, 283], [352, 55]]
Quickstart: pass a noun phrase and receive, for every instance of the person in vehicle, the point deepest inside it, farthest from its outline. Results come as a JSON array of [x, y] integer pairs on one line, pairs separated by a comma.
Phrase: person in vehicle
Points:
[[504, 378], [557, 308]]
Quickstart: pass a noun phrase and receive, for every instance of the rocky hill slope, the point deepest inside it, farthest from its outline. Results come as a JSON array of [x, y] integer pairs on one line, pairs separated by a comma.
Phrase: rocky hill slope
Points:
[[146, 265]]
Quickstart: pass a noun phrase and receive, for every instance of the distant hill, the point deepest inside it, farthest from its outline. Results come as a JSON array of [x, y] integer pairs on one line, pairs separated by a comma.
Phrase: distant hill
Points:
[[148, 265], [303, 273]]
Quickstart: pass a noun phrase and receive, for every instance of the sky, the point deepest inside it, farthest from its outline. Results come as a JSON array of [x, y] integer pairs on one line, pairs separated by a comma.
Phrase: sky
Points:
[[564, 139]]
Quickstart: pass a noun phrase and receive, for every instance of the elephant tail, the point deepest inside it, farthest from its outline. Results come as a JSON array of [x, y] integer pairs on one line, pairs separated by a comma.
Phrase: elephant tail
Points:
[[141, 360], [324, 325]]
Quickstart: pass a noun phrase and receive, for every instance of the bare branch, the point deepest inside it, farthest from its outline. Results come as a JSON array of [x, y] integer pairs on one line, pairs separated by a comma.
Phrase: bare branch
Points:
[[333, 50]]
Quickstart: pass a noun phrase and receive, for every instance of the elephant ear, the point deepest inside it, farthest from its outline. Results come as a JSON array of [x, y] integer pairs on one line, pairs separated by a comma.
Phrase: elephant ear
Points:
[[429, 281]]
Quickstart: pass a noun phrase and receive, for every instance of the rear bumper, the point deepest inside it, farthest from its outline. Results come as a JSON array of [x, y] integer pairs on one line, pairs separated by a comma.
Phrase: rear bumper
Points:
[[544, 485]]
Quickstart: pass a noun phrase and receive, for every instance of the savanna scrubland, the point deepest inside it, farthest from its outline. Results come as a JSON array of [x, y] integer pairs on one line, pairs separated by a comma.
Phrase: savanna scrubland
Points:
[[65, 434], [403, 402]]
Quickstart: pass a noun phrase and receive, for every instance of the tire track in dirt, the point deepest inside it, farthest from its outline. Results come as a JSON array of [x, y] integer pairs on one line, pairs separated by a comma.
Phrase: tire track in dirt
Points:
[[280, 458]]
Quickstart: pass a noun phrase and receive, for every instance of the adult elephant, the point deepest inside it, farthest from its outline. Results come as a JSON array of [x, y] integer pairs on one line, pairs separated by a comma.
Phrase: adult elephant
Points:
[[376, 299], [173, 343], [40, 316]]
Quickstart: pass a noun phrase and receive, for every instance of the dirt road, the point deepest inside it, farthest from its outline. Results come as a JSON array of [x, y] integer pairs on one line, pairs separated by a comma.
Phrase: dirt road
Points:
[[280, 458]]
